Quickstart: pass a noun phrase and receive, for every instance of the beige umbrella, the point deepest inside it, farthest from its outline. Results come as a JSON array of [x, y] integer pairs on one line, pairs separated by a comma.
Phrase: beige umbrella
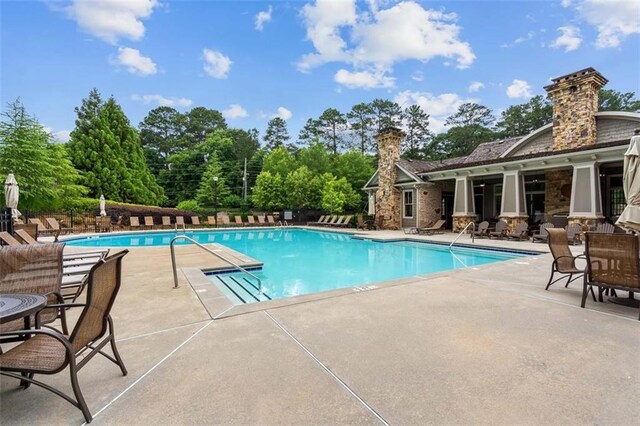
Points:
[[11, 195], [103, 204], [630, 217]]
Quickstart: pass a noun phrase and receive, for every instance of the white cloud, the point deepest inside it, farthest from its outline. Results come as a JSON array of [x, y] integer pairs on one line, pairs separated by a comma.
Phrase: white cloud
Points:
[[530, 35], [216, 64], [235, 111], [614, 20], [134, 62], [566, 3], [519, 89], [62, 136], [363, 79], [439, 107], [569, 38], [475, 86], [283, 113], [263, 17], [162, 100], [378, 38], [417, 76], [111, 20]]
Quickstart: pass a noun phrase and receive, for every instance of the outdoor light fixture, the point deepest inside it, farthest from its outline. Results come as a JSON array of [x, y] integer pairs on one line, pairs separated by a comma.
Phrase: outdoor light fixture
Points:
[[215, 198]]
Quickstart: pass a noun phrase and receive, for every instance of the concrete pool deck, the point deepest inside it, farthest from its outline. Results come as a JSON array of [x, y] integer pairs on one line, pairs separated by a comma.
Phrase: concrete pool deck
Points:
[[478, 345]]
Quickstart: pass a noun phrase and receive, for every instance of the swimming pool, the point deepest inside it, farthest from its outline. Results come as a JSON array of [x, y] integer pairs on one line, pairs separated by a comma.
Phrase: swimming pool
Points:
[[300, 261]]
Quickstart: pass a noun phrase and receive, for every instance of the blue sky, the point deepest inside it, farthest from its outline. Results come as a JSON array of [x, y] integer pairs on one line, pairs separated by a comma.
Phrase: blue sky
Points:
[[255, 60]]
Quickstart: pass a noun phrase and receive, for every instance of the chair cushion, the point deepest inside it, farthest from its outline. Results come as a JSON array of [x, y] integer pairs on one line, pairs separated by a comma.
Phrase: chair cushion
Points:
[[39, 354]]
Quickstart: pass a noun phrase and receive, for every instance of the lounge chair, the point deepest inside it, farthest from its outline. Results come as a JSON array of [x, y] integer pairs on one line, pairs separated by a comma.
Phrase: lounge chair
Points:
[[238, 220], [134, 222], [573, 233], [326, 220], [271, 221], [25, 237], [361, 224], [148, 222], [261, 221], [180, 222], [605, 228], [50, 352], [436, 228], [346, 222], [105, 224], [564, 262], [224, 221], [118, 226], [482, 231], [251, 221], [337, 222], [166, 221], [211, 220], [8, 239], [542, 234], [500, 231], [330, 222], [613, 262], [42, 229], [56, 227], [317, 221], [521, 233], [195, 221]]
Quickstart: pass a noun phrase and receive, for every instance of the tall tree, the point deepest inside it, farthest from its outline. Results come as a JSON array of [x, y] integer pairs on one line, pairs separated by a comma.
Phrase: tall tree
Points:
[[276, 135], [199, 123], [418, 135], [520, 120], [160, 134], [279, 161], [311, 132], [268, 192], [386, 114], [611, 100], [42, 168], [333, 124], [361, 122], [316, 158], [468, 127], [212, 192]]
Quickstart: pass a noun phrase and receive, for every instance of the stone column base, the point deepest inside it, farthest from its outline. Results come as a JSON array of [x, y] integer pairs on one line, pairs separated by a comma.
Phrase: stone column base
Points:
[[459, 222], [513, 221], [586, 221]]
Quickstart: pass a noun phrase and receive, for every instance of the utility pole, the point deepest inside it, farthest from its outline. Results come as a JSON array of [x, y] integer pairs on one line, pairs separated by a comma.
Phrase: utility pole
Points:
[[244, 181]]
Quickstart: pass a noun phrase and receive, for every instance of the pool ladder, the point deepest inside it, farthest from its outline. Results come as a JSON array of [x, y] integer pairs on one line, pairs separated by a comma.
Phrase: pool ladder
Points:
[[473, 232], [208, 250]]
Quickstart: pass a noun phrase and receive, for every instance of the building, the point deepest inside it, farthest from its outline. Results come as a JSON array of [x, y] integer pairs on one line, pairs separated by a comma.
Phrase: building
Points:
[[569, 169]]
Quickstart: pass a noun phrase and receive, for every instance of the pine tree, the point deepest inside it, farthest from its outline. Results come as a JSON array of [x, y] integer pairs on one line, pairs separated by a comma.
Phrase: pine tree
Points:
[[361, 120], [417, 132], [276, 134], [211, 192]]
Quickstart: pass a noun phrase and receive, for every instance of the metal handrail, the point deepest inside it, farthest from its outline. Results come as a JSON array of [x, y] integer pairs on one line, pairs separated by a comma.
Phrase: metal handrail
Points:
[[175, 270], [470, 224]]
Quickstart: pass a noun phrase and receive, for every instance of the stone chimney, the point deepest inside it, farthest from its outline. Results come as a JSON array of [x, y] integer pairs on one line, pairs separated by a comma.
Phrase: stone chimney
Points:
[[388, 207], [575, 102]]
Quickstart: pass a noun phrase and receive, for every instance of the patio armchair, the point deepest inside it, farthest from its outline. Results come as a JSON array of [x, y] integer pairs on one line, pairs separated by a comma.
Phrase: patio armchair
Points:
[[520, 233], [613, 262], [49, 352], [542, 234], [134, 222], [564, 262], [573, 233], [500, 231], [482, 231], [166, 222], [436, 228]]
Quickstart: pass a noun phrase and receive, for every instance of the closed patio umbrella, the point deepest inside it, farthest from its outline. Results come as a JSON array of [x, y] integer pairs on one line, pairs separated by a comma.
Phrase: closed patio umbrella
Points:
[[11, 195], [630, 217], [103, 212]]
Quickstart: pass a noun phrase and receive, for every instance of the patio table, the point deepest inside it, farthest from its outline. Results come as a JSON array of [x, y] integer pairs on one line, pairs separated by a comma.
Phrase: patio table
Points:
[[18, 305]]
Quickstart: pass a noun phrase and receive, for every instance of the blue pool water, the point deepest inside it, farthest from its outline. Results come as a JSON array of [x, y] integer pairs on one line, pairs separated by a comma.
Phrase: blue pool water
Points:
[[299, 261]]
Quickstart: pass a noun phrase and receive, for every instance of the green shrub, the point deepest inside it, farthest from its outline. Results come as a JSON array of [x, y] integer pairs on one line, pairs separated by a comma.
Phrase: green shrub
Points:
[[191, 205]]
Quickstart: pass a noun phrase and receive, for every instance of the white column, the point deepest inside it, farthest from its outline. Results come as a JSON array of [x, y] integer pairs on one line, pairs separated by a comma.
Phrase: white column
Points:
[[586, 199], [372, 203], [513, 199], [463, 201]]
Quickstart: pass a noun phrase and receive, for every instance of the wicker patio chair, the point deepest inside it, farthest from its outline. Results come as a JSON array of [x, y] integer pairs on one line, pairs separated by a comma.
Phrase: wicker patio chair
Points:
[[573, 233], [500, 231], [564, 262], [35, 269], [542, 234], [49, 352], [521, 233], [482, 231], [613, 262]]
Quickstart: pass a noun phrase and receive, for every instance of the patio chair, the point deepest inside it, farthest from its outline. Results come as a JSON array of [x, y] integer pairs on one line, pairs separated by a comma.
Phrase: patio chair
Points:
[[271, 221], [148, 222], [224, 221], [166, 222], [330, 222], [195, 221], [500, 231], [361, 224], [29, 229], [316, 221], [520, 233], [42, 229], [34, 269], [251, 221], [482, 230], [180, 222], [105, 224], [238, 220], [134, 222], [564, 262], [346, 222], [542, 234], [8, 240], [118, 226], [326, 220], [211, 220], [337, 222], [605, 228], [56, 227], [26, 237], [436, 228], [261, 221], [49, 352], [613, 262], [573, 233]]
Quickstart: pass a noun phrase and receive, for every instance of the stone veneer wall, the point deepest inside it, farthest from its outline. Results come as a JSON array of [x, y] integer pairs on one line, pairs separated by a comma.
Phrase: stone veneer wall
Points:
[[388, 202], [575, 102], [555, 201], [430, 209]]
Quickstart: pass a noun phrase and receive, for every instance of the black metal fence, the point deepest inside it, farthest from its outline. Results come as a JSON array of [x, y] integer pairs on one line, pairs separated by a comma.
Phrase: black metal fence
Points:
[[71, 221], [6, 222]]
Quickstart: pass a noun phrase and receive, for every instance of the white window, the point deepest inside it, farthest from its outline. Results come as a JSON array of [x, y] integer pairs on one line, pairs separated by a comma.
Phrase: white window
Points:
[[408, 204]]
